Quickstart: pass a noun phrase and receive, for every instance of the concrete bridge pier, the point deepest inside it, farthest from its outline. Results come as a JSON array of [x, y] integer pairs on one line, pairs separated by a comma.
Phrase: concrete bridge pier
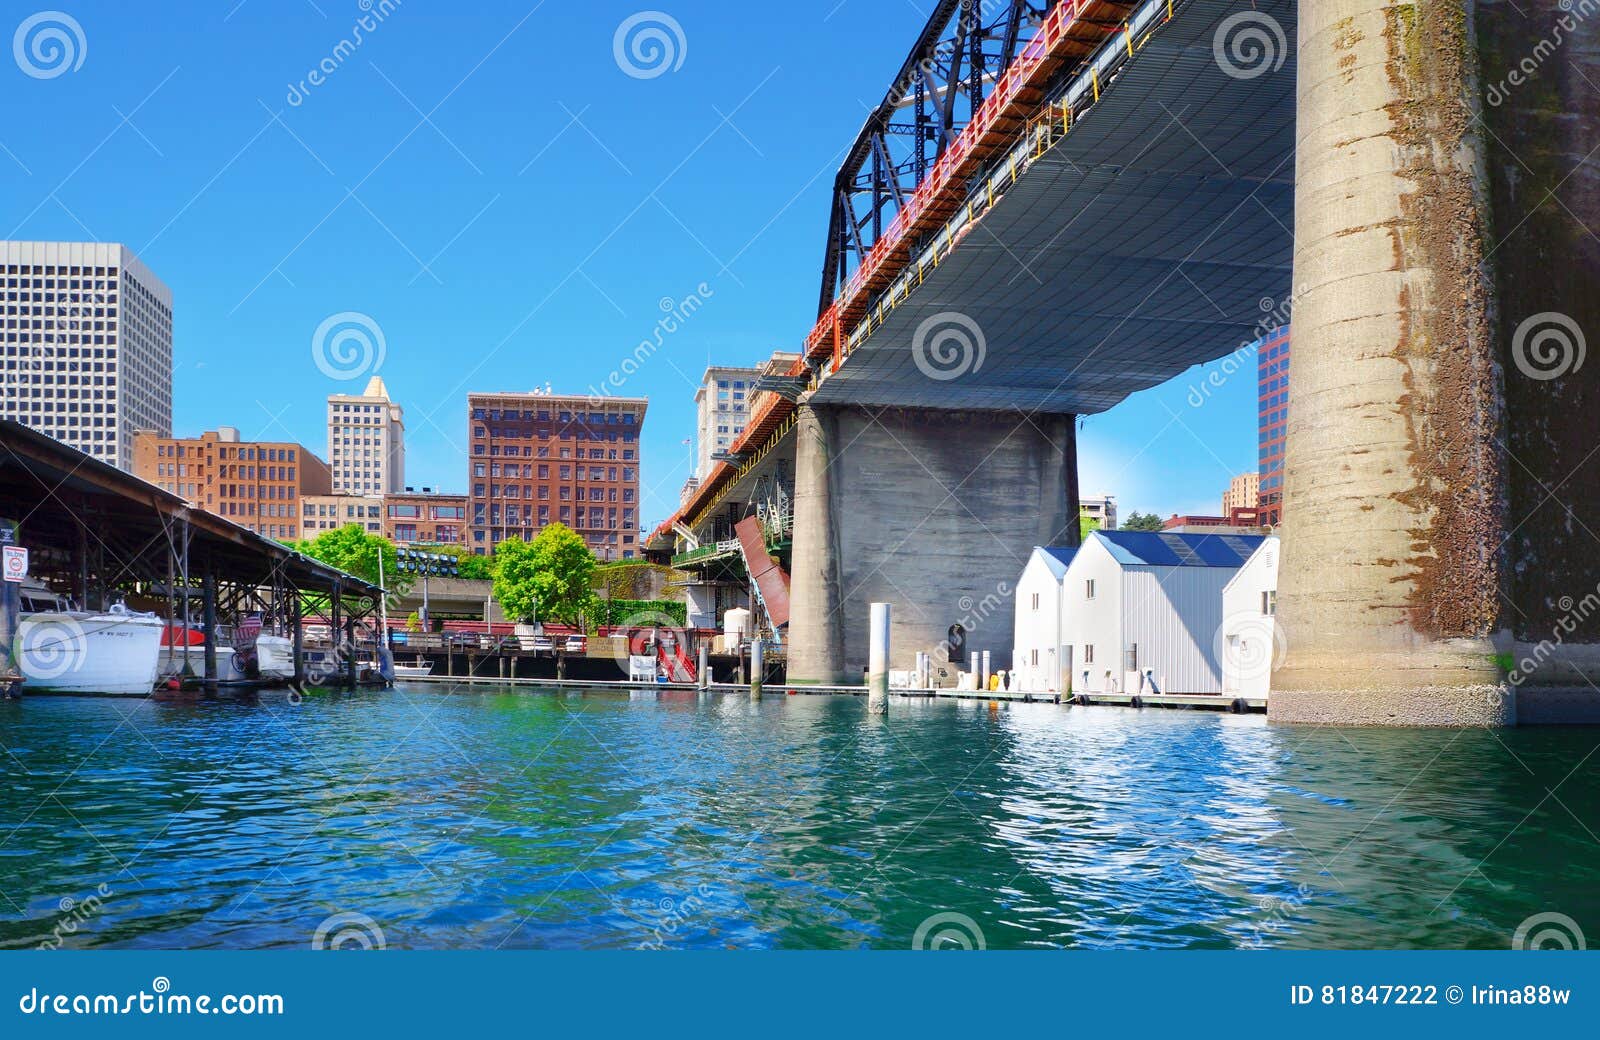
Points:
[[1441, 564], [933, 511]]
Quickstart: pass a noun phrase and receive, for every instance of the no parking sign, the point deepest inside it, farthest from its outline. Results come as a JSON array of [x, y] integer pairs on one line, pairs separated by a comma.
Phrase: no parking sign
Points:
[[15, 562]]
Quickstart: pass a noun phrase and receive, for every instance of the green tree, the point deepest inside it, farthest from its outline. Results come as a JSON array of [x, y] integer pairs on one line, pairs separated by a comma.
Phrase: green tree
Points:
[[1087, 524], [474, 567], [547, 578], [1138, 521], [356, 551]]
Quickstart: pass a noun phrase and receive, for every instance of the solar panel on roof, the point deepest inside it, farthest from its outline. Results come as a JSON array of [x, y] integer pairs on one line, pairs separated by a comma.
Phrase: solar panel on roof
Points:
[[1180, 548], [1238, 545]]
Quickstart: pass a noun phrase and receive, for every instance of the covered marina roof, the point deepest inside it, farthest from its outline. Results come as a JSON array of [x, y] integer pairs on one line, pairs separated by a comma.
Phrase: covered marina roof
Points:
[[70, 506]]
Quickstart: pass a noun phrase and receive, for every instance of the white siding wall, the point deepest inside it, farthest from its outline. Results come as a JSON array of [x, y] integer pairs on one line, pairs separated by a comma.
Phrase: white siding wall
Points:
[[1174, 617], [1250, 637], [1096, 622], [1036, 629]]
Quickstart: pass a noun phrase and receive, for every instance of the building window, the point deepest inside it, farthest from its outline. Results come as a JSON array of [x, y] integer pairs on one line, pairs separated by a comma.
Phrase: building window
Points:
[[1088, 653], [1269, 602], [1036, 607], [1088, 589]]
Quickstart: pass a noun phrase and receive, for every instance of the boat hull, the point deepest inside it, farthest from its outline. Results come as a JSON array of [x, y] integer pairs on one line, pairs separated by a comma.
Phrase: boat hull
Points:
[[85, 652], [275, 657]]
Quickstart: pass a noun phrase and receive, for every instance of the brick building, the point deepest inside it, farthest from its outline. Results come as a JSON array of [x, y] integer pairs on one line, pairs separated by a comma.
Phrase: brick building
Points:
[[425, 517], [542, 458], [256, 484]]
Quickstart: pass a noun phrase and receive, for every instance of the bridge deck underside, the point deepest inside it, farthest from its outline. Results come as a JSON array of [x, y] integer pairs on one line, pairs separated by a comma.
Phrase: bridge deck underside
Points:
[[1144, 242]]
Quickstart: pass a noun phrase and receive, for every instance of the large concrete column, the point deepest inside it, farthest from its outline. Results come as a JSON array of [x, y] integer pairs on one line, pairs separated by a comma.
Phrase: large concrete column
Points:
[[935, 512], [1397, 591], [816, 624]]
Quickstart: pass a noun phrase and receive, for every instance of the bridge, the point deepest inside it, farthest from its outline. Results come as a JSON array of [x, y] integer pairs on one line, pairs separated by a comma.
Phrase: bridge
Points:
[[1056, 205]]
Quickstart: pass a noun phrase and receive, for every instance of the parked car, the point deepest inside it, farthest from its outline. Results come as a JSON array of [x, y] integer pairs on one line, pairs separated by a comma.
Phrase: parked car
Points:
[[577, 645], [539, 644]]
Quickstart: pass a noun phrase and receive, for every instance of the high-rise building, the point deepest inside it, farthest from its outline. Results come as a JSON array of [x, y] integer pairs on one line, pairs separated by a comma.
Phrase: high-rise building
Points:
[[366, 441], [256, 484], [1272, 408], [425, 517], [722, 407], [541, 458], [85, 345], [319, 513], [1243, 491]]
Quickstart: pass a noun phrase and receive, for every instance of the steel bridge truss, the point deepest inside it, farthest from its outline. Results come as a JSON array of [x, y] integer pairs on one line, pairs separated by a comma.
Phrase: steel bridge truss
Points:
[[962, 51]]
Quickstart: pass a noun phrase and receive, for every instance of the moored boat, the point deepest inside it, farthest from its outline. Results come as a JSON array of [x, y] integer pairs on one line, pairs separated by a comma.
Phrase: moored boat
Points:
[[61, 649]]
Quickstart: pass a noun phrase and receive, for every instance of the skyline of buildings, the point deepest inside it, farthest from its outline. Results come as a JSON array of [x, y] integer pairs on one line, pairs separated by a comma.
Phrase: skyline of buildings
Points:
[[86, 357], [85, 345]]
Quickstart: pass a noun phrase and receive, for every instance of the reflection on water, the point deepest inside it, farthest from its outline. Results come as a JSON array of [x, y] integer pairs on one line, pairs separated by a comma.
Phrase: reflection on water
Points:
[[519, 819]]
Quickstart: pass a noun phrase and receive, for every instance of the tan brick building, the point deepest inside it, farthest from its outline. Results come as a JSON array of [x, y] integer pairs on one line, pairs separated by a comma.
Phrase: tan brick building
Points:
[[256, 484], [319, 513]]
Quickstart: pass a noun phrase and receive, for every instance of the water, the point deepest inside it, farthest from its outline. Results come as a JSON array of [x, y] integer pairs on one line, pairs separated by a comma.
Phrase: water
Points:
[[526, 819]]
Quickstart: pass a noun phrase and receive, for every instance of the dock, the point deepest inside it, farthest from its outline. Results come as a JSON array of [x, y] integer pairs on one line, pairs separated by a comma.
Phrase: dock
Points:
[[1198, 702]]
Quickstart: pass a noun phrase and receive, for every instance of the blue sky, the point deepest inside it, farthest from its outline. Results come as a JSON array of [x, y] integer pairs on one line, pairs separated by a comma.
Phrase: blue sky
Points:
[[508, 206]]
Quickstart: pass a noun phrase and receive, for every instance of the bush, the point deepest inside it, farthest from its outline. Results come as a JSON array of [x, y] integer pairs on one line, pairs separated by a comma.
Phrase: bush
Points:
[[614, 612]]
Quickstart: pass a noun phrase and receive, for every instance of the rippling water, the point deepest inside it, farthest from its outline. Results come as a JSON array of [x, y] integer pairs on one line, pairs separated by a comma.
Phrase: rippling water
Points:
[[525, 819]]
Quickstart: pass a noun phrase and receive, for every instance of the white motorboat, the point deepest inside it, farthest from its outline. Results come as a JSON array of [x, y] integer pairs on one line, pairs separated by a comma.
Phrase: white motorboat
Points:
[[413, 671], [61, 649], [183, 653], [275, 656]]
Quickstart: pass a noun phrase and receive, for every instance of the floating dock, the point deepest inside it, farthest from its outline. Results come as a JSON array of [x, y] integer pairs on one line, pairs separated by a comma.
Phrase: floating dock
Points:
[[1202, 702]]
